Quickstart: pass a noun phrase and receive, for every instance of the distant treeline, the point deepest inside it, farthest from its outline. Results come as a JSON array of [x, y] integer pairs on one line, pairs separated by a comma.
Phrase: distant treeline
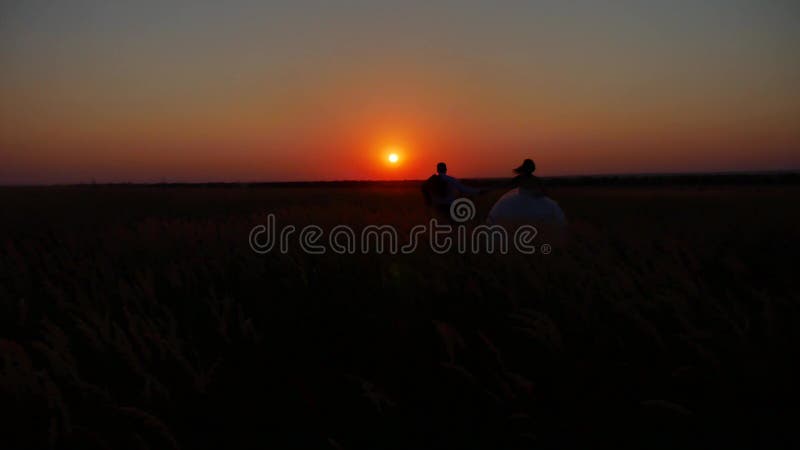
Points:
[[716, 179], [771, 178]]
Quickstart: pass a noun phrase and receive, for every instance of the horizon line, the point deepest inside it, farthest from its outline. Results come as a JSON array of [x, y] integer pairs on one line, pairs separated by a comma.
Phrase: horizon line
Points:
[[780, 172]]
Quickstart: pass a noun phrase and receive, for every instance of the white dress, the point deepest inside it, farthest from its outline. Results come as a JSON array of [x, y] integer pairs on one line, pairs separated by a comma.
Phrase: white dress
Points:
[[519, 206]]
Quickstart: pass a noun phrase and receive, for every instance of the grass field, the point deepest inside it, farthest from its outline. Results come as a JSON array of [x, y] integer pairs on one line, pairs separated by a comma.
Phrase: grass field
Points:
[[139, 317]]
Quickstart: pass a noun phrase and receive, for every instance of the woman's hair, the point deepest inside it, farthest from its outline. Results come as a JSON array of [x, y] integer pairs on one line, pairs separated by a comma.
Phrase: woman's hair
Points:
[[526, 168]]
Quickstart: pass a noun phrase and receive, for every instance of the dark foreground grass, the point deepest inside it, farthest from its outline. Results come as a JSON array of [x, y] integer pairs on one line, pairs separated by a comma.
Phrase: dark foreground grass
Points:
[[139, 317]]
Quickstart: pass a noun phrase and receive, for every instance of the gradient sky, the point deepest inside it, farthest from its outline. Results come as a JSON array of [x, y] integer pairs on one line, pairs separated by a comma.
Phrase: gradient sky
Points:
[[308, 90]]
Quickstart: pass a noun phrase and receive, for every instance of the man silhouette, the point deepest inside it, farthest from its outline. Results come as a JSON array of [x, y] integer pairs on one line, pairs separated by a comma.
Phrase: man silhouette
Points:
[[441, 190]]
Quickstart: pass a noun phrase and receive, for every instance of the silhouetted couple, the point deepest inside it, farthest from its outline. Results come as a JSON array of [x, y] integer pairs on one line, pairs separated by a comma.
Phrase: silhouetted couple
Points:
[[525, 203]]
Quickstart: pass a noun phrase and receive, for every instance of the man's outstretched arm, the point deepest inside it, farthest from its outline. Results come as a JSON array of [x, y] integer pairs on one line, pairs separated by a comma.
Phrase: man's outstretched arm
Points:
[[466, 189]]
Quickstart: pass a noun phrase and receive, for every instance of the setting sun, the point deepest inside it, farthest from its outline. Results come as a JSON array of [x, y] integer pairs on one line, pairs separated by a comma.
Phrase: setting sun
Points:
[[393, 158]]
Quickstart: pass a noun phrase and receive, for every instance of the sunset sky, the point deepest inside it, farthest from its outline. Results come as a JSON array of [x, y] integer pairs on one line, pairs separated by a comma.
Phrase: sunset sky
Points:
[[320, 90]]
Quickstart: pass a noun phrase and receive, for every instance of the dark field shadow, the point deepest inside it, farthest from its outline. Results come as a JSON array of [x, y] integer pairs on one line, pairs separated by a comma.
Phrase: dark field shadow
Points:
[[139, 317]]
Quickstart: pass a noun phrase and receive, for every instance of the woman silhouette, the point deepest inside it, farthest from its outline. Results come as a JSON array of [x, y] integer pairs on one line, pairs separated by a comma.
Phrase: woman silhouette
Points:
[[527, 203], [526, 180]]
